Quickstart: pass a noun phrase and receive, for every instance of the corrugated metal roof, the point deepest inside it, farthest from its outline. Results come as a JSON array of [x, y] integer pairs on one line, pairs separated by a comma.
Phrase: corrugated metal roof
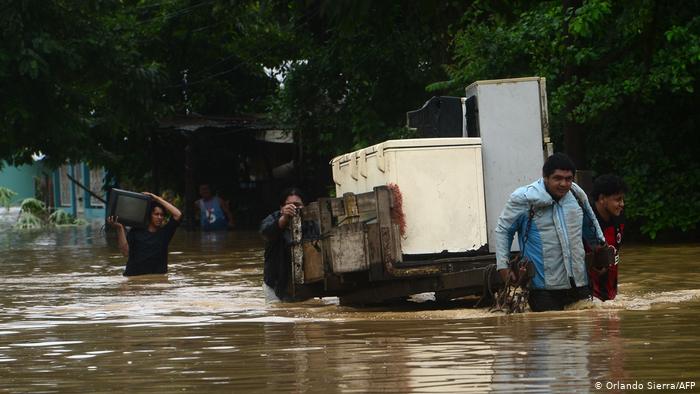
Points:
[[195, 122]]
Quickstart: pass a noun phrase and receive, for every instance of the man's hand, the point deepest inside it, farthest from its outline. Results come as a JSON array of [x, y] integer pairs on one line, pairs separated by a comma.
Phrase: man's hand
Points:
[[604, 256], [121, 234], [113, 221], [507, 275], [600, 270], [174, 212], [289, 210]]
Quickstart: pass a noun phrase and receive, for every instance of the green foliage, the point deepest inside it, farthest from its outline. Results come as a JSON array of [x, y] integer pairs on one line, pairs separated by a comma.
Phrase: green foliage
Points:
[[625, 71], [33, 215], [172, 197], [33, 206], [63, 218], [360, 67], [6, 196], [71, 79], [28, 221], [88, 80], [656, 152]]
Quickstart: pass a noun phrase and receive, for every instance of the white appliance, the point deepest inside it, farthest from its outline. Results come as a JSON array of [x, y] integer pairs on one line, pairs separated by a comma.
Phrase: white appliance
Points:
[[510, 117], [441, 182]]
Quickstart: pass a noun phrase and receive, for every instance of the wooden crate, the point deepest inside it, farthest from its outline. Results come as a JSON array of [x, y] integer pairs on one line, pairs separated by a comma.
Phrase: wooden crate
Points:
[[355, 234]]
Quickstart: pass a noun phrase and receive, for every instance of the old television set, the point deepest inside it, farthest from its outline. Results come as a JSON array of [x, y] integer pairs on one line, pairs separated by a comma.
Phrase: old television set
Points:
[[131, 208]]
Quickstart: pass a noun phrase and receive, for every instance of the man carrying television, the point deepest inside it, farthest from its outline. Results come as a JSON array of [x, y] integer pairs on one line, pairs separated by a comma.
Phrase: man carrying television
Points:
[[147, 248]]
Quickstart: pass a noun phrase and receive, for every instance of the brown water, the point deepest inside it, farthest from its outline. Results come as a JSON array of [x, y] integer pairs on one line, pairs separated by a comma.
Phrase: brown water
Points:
[[70, 322]]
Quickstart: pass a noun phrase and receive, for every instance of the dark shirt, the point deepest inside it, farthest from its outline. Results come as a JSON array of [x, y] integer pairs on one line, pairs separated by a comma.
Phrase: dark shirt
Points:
[[148, 252], [278, 258], [604, 285], [613, 229]]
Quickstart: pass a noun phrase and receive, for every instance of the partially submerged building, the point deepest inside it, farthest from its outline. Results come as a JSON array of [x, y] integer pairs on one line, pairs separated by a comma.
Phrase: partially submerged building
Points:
[[75, 188]]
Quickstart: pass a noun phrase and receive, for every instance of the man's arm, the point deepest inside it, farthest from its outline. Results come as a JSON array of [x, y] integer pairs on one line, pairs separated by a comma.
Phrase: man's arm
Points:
[[286, 213], [269, 227], [591, 228], [508, 223], [174, 212], [273, 225], [121, 235]]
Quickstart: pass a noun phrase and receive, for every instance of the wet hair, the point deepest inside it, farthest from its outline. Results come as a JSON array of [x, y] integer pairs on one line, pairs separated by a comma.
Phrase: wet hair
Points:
[[607, 185], [155, 205], [290, 191], [558, 161]]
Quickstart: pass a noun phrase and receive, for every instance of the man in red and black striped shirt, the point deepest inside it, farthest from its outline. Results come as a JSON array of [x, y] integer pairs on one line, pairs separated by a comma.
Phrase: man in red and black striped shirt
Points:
[[608, 202]]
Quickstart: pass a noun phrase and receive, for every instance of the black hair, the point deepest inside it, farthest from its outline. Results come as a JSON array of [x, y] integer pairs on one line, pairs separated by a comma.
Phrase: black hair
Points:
[[558, 161], [207, 184], [290, 191], [607, 185], [155, 205]]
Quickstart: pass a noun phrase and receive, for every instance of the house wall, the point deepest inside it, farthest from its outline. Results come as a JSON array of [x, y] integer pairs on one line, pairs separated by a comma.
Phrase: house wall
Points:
[[94, 180], [20, 180], [75, 200]]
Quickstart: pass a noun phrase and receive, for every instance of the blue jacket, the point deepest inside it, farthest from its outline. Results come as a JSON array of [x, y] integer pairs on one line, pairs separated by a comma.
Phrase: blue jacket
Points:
[[555, 238]]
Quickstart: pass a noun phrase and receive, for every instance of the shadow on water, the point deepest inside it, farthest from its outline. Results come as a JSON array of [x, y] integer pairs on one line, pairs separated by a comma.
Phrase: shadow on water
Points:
[[71, 322]]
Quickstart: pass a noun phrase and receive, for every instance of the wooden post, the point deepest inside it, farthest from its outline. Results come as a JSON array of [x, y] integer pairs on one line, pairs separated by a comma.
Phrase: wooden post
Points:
[[297, 251], [155, 164], [189, 185], [50, 202], [352, 213], [326, 224], [385, 228], [574, 132], [374, 251]]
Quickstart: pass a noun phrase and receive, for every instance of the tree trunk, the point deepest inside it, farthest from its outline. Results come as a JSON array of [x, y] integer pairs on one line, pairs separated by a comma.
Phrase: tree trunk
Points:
[[574, 133], [189, 185]]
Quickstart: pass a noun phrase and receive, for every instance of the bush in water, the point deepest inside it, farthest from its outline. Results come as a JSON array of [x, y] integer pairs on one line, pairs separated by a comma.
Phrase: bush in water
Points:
[[6, 197], [33, 215]]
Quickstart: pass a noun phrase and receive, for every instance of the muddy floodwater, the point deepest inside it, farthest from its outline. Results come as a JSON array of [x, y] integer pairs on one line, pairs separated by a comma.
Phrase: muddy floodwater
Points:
[[69, 322]]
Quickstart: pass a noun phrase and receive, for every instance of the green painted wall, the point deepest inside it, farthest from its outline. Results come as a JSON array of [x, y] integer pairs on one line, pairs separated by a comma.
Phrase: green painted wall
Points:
[[20, 180]]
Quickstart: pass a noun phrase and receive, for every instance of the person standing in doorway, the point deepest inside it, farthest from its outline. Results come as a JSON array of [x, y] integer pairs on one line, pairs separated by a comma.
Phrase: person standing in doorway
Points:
[[608, 200]]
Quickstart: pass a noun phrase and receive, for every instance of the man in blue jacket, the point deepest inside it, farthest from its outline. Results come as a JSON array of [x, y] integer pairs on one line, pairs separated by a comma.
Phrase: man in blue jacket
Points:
[[548, 216]]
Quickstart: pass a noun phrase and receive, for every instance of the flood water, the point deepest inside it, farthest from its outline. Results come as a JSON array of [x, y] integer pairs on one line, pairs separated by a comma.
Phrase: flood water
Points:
[[69, 322]]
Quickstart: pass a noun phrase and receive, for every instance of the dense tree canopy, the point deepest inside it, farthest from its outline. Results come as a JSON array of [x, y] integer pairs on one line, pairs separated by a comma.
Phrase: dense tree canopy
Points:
[[363, 65], [622, 79], [72, 79], [88, 80]]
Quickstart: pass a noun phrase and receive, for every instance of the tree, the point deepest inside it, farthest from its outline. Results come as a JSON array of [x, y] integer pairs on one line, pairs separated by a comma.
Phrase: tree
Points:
[[360, 66], [88, 80], [622, 74], [73, 82]]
